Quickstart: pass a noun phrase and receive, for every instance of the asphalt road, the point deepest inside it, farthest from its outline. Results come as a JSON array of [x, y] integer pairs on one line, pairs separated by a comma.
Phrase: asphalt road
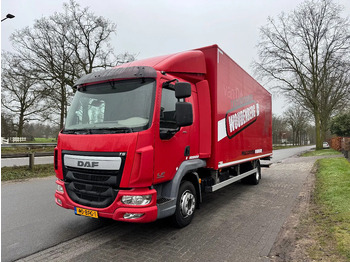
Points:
[[24, 161], [281, 154], [31, 221]]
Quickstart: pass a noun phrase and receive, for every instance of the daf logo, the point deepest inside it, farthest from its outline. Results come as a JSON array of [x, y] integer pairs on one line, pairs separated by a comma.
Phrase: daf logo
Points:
[[87, 163]]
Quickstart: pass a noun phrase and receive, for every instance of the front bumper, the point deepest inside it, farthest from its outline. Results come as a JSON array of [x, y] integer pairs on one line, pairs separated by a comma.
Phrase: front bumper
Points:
[[117, 209]]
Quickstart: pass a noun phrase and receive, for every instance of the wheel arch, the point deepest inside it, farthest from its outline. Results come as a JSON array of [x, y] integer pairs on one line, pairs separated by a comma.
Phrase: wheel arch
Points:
[[170, 189]]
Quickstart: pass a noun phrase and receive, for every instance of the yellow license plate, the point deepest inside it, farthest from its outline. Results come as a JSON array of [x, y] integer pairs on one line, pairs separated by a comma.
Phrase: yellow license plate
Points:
[[85, 212]]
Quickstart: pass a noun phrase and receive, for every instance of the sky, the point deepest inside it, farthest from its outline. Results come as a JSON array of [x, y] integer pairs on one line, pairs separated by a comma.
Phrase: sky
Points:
[[151, 28]]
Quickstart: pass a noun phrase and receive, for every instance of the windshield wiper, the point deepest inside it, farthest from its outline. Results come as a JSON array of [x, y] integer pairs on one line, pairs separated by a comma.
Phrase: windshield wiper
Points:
[[123, 129], [112, 130], [77, 131]]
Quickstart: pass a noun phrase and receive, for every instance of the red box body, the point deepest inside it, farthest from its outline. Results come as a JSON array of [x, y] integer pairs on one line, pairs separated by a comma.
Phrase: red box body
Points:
[[232, 90]]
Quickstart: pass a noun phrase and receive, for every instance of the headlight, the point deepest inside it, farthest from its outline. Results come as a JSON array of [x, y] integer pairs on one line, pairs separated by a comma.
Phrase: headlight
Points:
[[137, 200], [60, 188]]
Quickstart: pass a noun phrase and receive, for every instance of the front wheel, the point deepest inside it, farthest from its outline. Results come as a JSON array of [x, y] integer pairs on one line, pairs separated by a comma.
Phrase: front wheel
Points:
[[185, 205]]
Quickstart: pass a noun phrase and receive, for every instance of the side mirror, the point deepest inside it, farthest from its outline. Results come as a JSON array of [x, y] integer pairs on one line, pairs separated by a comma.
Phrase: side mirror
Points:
[[182, 90], [184, 114]]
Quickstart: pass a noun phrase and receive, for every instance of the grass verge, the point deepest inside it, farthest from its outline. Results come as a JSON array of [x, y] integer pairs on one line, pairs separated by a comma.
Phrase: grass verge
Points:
[[283, 147], [322, 152], [331, 215], [43, 140], [23, 172]]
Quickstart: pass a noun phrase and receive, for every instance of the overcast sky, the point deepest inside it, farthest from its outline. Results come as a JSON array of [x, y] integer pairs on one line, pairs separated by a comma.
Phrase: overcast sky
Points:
[[157, 27]]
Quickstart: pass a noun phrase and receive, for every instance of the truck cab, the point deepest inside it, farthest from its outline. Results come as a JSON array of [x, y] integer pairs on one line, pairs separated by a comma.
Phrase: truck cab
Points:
[[127, 131]]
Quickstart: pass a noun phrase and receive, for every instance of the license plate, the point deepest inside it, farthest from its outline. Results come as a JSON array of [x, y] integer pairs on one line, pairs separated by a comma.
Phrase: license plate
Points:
[[85, 212]]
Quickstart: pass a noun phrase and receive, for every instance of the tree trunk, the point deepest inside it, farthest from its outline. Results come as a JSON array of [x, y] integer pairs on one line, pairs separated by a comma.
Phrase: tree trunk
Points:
[[20, 124], [293, 137], [319, 139]]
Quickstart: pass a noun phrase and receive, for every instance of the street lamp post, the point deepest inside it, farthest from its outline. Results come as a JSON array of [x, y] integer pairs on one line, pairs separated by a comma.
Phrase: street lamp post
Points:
[[10, 16]]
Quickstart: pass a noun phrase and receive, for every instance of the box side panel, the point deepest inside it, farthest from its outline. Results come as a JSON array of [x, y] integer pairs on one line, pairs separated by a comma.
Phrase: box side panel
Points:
[[241, 116], [211, 60]]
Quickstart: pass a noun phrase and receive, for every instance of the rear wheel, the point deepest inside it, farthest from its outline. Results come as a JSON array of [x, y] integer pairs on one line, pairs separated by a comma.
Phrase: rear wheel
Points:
[[254, 179], [185, 205]]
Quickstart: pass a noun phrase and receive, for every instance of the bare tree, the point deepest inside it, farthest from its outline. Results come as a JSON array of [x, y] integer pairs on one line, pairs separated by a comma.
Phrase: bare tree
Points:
[[125, 58], [89, 38], [38, 129], [7, 125], [279, 129], [20, 94], [64, 46], [306, 54], [298, 120]]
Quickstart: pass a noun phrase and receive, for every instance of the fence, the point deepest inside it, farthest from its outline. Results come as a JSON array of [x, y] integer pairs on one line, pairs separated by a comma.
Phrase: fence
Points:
[[18, 139], [31, 156], [4, 140], [341, 144], [13, 140]]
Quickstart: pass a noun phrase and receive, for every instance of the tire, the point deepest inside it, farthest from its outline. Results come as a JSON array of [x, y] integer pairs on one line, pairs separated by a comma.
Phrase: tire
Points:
[[254, 179], [185, 205]]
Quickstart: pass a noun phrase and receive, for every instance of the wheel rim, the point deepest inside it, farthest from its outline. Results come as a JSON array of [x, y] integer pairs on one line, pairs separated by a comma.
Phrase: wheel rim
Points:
[[257, 175], [187, 203]]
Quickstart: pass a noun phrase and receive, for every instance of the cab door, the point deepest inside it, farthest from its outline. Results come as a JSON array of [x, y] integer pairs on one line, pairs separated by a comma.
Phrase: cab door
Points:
[[172, 143]]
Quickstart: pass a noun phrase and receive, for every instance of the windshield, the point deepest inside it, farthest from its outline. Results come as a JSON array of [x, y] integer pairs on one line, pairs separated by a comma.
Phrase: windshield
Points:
[[112, 107]]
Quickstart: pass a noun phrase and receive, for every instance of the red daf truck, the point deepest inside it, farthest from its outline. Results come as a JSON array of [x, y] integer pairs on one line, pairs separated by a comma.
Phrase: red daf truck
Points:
[[144, 140]]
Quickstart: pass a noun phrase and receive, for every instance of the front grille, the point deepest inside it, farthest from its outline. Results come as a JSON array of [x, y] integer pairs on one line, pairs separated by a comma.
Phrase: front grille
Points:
[[107, 177], [82, 176], [92, 187], [91, 195]]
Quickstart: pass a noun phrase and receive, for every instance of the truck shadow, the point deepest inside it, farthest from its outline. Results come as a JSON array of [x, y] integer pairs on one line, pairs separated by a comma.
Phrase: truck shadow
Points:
[[224, 224], [218, 210]]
